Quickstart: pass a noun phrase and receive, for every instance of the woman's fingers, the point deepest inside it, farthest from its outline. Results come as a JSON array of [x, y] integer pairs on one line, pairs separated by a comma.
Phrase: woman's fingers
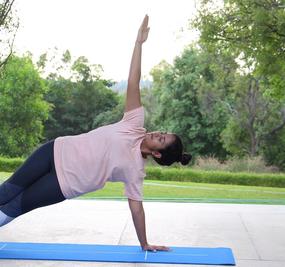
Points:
[[143, 30], [144, 26], [156, 248], [145, 21], [162, 248]]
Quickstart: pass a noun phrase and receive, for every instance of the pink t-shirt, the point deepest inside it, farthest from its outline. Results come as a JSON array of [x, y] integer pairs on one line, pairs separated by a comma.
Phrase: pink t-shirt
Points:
[[85, 162]]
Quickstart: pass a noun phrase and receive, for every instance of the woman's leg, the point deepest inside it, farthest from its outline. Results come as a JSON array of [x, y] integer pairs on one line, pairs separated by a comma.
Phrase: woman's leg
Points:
[[37, 165], [45, 191]]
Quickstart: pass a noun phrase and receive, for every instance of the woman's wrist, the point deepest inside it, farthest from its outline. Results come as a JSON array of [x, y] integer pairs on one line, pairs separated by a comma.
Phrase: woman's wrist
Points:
[[139, 42], [144, 246]]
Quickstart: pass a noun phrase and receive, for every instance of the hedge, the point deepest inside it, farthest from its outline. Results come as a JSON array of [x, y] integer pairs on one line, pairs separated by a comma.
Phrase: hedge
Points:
[[10, 164], [215, 177], [187, 175]]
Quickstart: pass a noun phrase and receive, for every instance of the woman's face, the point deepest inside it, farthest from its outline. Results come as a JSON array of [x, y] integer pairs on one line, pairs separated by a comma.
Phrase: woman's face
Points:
[[159, 140]]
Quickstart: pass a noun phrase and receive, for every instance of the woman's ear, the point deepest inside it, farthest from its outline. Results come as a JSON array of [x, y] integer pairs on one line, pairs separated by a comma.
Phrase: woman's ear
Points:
[[156, 154]]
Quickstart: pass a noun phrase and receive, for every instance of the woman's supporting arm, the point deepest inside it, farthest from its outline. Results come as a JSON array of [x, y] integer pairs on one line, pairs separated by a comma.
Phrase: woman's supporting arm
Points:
[[133, 99], [138, 216]]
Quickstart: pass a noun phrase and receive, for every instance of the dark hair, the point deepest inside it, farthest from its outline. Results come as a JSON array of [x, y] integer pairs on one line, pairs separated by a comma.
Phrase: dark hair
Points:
[[173, 153]]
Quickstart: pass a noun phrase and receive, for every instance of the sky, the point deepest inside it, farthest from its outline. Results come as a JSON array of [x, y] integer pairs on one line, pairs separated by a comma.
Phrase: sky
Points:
[[104, 31]]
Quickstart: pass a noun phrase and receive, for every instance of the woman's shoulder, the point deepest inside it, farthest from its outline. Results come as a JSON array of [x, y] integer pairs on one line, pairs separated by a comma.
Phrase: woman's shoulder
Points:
[[134, 117]]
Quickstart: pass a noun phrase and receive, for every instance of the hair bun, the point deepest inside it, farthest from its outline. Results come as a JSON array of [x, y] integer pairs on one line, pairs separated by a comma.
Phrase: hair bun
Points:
[[185, 158]]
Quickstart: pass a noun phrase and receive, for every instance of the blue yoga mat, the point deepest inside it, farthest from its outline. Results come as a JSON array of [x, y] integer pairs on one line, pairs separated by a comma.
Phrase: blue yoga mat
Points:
[[113, 253]]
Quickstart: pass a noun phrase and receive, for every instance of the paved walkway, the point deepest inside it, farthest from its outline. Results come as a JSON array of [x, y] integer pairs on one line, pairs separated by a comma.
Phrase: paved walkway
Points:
[[255, 233]]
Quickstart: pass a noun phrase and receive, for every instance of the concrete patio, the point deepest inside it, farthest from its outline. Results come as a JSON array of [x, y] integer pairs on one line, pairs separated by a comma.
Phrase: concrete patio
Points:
[[255, 233]]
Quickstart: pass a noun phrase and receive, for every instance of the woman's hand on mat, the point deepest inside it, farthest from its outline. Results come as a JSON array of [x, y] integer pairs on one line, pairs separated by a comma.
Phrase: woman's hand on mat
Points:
[[155, 248], [143, 31]]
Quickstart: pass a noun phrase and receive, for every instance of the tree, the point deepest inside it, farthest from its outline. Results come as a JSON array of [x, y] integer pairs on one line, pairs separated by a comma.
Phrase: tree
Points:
[[192, 99], [59, 95], [253, 31], [112, 115], [23, 109], [8, 28], [255, 119], [90, 99], [80, 100]]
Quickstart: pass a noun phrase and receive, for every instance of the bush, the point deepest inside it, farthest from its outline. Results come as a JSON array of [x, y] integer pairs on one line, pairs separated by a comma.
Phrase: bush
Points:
[[246, 164], [209, 164], [274, 152], [10, 164], [215, 177]]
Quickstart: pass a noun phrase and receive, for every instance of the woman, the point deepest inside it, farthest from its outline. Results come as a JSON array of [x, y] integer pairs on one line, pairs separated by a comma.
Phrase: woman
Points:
[[70, 166]]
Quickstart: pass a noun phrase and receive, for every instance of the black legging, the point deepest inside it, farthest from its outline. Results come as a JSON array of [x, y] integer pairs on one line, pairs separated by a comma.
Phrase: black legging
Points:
[[33, 185]]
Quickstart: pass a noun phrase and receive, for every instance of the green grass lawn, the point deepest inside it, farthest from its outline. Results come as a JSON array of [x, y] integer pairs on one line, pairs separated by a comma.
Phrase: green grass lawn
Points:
[[191, 192]]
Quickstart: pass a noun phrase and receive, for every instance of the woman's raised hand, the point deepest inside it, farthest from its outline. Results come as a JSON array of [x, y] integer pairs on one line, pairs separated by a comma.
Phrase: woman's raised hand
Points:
[[143, 31]]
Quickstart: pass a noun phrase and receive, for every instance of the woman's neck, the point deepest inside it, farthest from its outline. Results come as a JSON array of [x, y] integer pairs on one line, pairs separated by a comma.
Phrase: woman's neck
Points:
[[144, 149]]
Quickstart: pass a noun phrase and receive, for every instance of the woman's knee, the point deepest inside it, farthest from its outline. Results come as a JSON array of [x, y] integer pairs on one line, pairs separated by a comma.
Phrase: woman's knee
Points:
[[8, 191], [13, 208], [10, 210]]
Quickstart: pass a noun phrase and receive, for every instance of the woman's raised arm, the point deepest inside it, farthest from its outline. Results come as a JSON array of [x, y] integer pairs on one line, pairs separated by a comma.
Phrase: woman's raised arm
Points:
[[133, 99]]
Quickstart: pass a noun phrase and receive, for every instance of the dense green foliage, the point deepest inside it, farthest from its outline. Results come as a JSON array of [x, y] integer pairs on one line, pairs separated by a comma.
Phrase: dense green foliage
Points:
[[253, 33], [23, 109], [273, 150]]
